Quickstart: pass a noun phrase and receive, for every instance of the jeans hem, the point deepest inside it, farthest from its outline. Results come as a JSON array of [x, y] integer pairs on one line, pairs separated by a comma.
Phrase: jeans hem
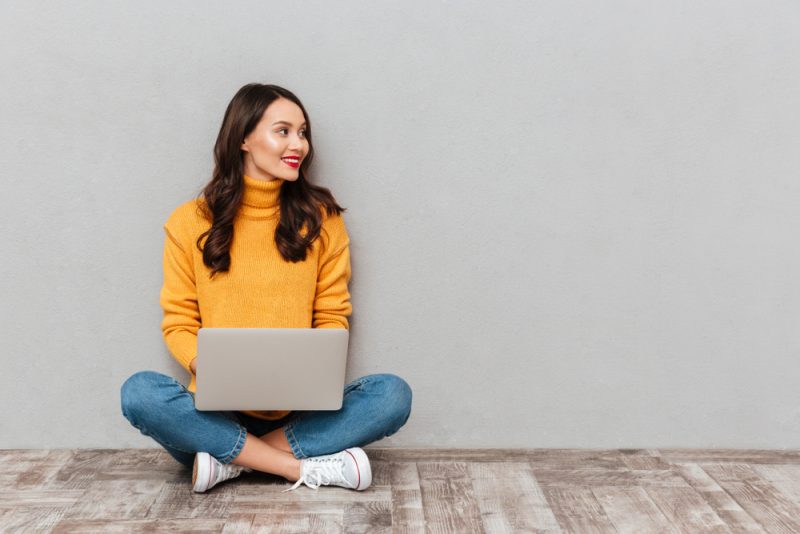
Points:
[[236, 448], [293, 443]]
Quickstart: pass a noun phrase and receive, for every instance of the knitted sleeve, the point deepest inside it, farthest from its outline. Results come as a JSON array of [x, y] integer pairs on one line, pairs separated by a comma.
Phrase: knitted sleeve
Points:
[[179, 297], [332, 305]]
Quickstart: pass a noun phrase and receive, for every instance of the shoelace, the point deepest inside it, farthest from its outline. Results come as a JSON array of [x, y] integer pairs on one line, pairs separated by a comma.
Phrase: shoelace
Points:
[[320, 471]]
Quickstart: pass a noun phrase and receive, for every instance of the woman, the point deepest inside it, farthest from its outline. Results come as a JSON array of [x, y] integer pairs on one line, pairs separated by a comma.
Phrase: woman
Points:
[[263, 247]]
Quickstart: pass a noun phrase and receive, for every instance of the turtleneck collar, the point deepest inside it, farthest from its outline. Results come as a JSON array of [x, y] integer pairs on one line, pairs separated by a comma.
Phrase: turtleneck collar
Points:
[[260, 198]]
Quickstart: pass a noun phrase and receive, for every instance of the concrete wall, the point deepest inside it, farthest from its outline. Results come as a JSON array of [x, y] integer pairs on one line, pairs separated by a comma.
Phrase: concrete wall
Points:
[[573, 224]]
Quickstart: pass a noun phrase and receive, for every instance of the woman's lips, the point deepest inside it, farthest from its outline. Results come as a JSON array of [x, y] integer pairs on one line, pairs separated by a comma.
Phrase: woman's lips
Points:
[[293, 163]]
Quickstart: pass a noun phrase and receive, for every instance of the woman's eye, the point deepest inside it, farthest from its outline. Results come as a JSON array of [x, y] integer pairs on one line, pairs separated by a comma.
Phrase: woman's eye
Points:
[[301, 131]]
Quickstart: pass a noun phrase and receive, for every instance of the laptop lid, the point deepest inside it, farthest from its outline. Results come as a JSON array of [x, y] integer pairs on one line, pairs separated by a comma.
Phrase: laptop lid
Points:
[[271, 368]]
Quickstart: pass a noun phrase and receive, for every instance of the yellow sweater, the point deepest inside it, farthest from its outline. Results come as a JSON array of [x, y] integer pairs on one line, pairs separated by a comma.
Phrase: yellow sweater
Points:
[[261, 289]]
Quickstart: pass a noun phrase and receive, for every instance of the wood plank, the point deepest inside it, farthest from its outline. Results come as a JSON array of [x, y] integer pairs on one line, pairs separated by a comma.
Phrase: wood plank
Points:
[[446, 455], [381, 472], [718, 499], [576, 509], [9, 457], [33, 519], [642, 459], [238, 524], [448, 502], [686, 509], [642, 468], [37, 472], [143, 464], [250, 499], [510, 499], [291, 523], [544, 457], [749, 456], [367, 517], [632, 511], [85, 466], [39, 498], [17, 462], [588, 476], [765, 504], [116, 499], [177, 500], [166, 526], [300, 507], [785, 478], [407, 513]]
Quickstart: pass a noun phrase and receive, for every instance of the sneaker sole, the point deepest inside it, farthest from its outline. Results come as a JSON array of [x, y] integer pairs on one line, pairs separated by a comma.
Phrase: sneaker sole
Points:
[[363, 466], [202, 467]]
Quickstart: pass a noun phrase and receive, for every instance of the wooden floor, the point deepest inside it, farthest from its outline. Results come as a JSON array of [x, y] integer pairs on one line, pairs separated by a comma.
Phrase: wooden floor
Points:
[[413, 490]]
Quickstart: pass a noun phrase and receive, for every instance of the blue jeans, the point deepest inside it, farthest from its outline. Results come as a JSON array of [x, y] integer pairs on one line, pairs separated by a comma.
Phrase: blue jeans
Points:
[[374, 406]]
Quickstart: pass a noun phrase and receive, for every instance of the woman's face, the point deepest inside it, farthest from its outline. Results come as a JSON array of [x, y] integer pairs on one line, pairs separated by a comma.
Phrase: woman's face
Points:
[[277, 145]]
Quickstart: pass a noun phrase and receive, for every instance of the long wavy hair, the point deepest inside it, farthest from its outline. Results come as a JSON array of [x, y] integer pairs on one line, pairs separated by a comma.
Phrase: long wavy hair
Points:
[[301, 202]]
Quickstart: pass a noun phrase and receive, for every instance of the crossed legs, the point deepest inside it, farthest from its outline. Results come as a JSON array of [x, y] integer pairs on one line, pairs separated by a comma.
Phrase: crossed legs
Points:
[[270, 453]]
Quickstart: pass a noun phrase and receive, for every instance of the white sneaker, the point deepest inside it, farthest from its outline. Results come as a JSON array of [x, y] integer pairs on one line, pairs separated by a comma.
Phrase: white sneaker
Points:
[[208, 472], [349, 469]]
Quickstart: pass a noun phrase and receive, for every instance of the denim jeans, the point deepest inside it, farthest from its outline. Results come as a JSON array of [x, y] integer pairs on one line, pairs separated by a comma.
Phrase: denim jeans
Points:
[[374, 406]]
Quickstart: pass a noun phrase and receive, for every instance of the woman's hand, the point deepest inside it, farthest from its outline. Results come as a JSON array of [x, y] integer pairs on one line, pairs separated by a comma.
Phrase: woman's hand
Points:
[[193, 365]]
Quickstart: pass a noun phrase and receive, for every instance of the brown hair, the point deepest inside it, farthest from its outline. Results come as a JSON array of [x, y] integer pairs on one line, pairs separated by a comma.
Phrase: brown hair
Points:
[[300, 201]]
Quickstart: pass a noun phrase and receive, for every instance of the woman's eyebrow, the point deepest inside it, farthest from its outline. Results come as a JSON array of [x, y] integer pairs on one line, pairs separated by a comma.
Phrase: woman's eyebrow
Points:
[[285, 122]]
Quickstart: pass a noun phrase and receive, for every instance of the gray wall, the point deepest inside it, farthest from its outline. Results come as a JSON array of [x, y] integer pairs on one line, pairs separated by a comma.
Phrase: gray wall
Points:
[[573, 224]]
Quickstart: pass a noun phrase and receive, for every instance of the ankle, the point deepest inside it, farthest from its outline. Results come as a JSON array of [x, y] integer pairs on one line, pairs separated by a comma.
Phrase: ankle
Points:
[[294, 470]]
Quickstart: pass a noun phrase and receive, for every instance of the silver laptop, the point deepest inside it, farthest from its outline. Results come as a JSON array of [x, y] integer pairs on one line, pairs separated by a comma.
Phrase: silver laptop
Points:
[[271, 368]]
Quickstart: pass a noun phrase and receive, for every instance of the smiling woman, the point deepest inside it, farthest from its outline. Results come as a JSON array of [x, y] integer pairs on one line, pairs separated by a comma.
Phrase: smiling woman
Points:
[[262, 248], [263, 125], [276, 143]]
